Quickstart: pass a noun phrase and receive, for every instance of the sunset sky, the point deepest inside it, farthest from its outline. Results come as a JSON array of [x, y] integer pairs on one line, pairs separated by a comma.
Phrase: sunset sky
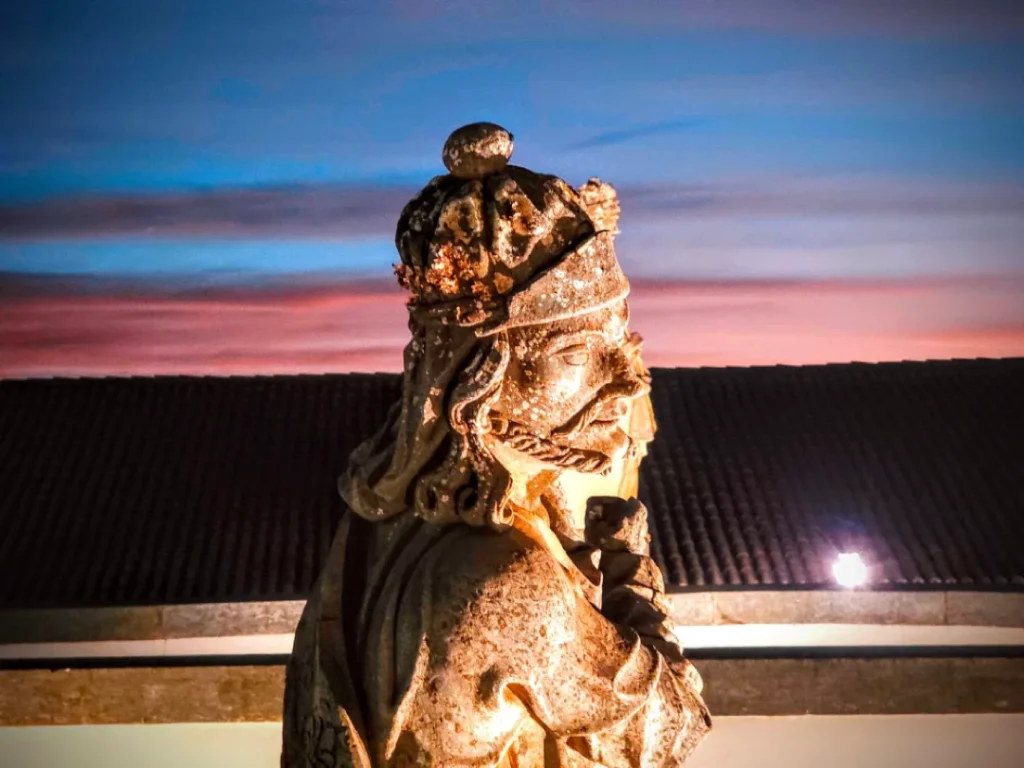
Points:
[[212, 187]]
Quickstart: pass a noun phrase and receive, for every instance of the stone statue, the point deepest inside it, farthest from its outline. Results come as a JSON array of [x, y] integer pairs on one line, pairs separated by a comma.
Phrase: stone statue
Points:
[[489, 599]]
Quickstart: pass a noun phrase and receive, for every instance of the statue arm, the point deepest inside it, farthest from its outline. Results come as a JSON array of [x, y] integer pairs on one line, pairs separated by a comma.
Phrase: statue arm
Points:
[[598, 686], [673, 718], [528, 645], [621, 702]]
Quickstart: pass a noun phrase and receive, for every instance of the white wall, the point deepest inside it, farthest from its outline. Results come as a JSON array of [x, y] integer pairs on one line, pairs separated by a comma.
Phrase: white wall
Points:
[[904, 741], [909, 741]]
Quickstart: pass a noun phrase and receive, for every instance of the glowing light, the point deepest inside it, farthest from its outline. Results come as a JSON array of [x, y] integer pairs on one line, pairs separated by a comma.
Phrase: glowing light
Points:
[[849, 570]]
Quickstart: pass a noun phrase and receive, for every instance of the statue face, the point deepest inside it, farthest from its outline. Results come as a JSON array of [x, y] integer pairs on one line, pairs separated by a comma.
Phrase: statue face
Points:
[[579, 382]]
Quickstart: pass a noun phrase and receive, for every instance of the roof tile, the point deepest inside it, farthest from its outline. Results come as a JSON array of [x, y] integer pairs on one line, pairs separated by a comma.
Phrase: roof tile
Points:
[[177, 489]]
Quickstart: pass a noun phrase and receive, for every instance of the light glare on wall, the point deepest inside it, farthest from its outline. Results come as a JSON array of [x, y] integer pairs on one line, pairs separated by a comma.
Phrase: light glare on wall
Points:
[[849, 570]]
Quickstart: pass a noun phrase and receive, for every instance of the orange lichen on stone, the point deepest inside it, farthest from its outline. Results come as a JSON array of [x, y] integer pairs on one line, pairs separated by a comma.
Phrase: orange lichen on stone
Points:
[[480, 237], [602, 205], [445, 269], [503, 283], [406, 276]]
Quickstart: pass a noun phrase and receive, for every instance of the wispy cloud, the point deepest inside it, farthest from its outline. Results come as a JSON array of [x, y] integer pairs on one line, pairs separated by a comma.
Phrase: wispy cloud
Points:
[[862, 88], [610, 138], [310, 210], [915, 18], [103, 328], [325, 211]]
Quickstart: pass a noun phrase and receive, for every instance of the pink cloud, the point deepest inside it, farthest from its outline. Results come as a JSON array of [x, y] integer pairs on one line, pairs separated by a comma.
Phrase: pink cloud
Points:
[[363, 328]]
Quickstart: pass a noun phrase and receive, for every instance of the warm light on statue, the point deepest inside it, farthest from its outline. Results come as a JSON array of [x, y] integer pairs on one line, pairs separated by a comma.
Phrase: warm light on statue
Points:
[[490, 598]]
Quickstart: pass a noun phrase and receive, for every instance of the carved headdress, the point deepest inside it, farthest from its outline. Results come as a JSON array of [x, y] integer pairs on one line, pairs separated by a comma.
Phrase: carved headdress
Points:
[[493, 246], [485, 248]]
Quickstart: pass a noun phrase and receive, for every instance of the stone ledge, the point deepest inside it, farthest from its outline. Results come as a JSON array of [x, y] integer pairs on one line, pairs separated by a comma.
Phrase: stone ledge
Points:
[[874, 686], [766, 687], [992, 608], [141, 695], [848, 607], [158, 622], [65, 625]]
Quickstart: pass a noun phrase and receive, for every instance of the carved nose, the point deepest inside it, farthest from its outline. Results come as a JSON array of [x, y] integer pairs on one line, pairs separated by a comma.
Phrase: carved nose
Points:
[[631, 367], [635, 381]]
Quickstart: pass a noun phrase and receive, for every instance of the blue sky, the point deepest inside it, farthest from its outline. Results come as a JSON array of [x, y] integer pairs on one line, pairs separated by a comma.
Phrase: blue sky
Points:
[[110, 98]]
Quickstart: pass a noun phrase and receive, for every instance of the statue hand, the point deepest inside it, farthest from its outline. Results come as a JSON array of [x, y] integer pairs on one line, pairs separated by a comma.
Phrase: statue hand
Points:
[[633, 585], [615, 524], [638, 602]]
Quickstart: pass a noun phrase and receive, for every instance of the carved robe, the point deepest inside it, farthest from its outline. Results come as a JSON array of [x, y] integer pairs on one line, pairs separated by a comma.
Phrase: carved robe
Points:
[[458, 646]]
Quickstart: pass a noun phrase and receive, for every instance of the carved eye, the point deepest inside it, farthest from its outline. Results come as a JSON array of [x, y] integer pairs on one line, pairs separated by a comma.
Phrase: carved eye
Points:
[[577, 354]]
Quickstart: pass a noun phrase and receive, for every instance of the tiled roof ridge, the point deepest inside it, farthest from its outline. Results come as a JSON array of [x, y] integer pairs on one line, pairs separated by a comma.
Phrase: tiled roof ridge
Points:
[[185, 377], [141, 490], [325, 375]]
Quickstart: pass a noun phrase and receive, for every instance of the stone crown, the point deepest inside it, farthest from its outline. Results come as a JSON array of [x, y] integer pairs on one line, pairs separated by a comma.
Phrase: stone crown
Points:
[[472, 239]]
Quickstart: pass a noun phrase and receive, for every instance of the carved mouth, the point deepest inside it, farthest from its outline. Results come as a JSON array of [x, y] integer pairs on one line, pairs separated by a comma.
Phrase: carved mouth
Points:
[[519, 437], [605, 410]]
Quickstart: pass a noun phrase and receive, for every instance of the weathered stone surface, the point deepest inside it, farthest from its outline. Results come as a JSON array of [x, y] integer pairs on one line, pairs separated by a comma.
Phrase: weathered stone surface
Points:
[[867, 686], [141, 695], [524, 396], [225, 619], [958, 608], [602, 204], [693, 609], [829, 607], [477, 150], [892, 607], [989, 608], [766, 687], [154, 622]]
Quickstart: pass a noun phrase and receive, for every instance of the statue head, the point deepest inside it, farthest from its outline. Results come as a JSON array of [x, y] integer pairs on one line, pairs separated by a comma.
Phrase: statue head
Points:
[[521, 377]]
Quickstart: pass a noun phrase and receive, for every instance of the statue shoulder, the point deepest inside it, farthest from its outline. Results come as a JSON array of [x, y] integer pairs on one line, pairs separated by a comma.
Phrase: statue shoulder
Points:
[[488, 577]]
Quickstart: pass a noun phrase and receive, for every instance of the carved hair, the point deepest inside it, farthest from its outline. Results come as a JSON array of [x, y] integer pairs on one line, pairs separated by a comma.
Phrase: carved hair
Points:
[[430, 458]]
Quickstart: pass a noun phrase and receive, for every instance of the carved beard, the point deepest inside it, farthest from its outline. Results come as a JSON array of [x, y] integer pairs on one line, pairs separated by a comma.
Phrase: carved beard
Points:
[[519, 437], [575, 444]]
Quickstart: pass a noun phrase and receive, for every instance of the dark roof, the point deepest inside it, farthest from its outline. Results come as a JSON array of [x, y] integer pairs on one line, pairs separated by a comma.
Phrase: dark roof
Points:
[[166, 490]]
